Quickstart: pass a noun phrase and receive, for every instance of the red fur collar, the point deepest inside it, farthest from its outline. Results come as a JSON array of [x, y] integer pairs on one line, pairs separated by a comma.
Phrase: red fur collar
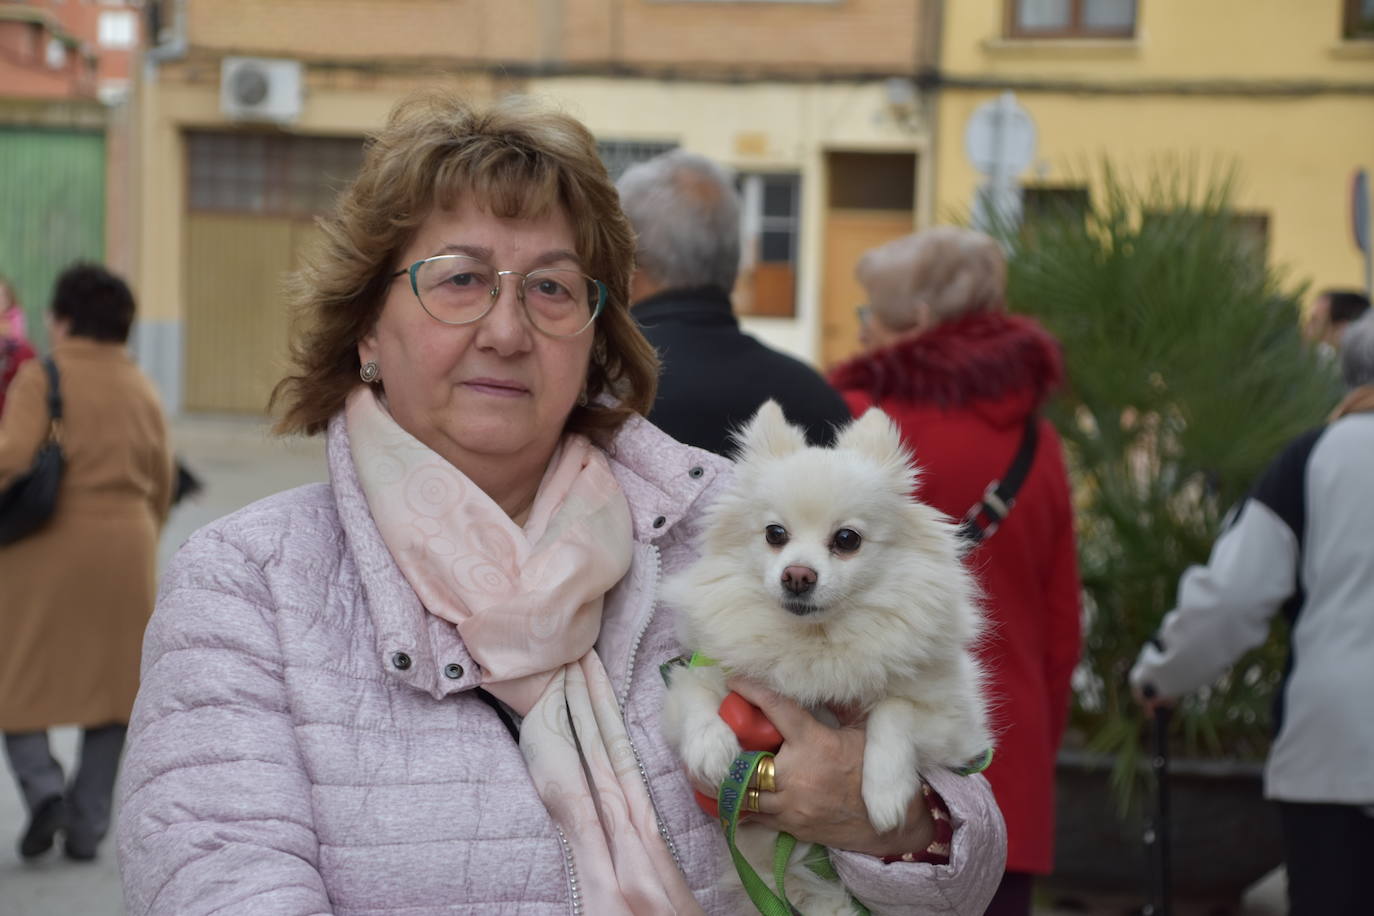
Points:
[[983, 356]]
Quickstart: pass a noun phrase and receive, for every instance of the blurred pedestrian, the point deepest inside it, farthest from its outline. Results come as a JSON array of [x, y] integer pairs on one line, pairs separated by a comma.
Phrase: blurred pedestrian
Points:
[[685, 214], [964, 379], [1300, 544], [431, 684], [77, 593], [1330, 314], [15, 349]]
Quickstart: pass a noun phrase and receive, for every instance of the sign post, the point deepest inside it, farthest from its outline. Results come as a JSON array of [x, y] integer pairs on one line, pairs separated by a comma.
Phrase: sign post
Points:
[[999, 140]]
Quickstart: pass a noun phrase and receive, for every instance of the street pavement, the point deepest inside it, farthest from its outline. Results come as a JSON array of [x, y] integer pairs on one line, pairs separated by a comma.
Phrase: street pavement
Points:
[[239, 463]]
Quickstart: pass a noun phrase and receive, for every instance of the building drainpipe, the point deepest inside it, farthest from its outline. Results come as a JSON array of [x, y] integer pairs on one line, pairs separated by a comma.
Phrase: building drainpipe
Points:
[[157, 344]]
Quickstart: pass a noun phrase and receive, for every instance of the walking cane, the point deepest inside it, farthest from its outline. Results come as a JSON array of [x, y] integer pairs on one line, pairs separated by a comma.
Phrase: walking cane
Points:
[[1157, 826]]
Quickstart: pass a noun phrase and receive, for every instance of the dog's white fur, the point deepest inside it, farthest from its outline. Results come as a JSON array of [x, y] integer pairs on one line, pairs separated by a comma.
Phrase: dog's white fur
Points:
[[889, 629]]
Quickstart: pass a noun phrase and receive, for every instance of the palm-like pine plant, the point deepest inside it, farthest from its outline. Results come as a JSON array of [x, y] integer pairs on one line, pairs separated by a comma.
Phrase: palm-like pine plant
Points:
[[1186, 376]]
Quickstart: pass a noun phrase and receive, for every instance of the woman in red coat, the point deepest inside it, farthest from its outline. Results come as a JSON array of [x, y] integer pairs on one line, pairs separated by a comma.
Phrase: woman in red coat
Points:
[[961, 376]]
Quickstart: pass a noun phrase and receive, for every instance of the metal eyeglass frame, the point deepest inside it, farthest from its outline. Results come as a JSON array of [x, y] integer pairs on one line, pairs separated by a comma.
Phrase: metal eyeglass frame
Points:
[[494, 293]]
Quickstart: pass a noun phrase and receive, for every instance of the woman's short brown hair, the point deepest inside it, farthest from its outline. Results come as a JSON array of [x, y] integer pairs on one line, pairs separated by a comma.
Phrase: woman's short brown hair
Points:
[[954, 271], [520, 160]]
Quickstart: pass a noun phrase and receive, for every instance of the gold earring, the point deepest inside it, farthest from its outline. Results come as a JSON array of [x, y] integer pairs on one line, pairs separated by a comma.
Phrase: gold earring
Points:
[[369, 373]]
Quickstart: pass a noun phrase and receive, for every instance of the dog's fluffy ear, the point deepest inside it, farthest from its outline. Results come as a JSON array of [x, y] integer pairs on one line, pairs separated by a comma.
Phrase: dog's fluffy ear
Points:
[[875, 436], [767, 435]]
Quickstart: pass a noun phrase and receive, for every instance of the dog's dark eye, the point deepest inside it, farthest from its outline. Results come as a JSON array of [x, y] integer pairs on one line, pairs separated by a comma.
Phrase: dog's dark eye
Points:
[[846, 540], [775, 535]]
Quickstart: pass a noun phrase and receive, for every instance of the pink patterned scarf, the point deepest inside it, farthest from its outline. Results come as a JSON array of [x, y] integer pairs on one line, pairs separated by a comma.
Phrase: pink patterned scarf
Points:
[[527, 603]]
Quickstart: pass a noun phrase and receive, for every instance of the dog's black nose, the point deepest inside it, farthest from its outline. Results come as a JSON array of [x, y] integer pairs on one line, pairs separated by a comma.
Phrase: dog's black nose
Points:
[[799, 579]]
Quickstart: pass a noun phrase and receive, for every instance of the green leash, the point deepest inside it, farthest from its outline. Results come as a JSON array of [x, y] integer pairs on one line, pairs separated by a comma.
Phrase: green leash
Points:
[[729, 802]]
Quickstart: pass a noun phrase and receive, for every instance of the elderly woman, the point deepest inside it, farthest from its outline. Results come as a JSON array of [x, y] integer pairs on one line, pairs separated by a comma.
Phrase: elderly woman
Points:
[[1299, 544], [964, 380], [432, 684], [76, 594]]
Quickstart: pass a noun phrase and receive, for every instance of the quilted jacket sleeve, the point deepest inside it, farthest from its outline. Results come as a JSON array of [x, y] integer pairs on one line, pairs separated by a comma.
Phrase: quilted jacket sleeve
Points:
[[215, 809], [965, 886]]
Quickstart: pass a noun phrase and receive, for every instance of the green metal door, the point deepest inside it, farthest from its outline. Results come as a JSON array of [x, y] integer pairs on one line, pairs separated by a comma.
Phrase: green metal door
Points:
[[52, 209]]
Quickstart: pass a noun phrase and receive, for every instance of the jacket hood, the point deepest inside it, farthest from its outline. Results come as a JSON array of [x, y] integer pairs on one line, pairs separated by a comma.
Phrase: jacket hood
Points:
[[990, 357]]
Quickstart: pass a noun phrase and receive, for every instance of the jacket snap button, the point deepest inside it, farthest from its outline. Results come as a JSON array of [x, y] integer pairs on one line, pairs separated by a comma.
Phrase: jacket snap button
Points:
[[658, 522], [401, 661], [696, 472], [453, 671]]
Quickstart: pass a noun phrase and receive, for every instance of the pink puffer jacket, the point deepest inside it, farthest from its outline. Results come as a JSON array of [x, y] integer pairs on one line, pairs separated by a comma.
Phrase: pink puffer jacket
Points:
[[307, 738]]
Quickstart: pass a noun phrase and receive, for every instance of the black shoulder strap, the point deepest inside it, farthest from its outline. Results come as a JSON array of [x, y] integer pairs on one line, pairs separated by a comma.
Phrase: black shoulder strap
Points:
[[981, 521], [54, 389]]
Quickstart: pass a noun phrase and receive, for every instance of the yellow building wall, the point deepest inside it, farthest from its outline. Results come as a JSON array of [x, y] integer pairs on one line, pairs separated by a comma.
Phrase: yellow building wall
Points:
[[1205, 39], [785, 127], [1295, 153], [1295, 159], [758, 127]]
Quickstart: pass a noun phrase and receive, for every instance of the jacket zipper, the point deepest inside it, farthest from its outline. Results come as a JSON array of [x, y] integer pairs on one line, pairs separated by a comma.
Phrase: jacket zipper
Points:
[[575, 894], [629, 677]]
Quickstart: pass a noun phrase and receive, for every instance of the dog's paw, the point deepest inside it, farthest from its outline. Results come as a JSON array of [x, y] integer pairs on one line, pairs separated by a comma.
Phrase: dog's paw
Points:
[[888, 791], [710, 751]]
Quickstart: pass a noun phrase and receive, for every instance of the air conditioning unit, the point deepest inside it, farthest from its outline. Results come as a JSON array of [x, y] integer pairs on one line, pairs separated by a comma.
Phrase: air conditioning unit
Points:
[[260, 89]]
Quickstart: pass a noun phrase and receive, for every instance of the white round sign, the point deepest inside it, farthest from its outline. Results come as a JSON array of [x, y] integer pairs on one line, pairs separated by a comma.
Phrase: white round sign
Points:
[[1000, 137]]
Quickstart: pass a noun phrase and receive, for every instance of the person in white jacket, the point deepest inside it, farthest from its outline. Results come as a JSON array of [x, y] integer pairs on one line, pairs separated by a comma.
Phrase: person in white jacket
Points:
[[1301, 543]]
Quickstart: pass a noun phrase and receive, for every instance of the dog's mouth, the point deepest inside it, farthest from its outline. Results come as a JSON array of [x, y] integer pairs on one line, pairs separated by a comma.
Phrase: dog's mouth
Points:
[[800, 606]]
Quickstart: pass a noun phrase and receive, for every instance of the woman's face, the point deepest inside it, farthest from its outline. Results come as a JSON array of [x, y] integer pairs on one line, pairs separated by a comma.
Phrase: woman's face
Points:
[[496, 387]]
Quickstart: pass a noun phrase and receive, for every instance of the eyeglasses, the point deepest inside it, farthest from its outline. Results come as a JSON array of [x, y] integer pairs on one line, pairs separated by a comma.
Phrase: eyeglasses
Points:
[[456, 289]]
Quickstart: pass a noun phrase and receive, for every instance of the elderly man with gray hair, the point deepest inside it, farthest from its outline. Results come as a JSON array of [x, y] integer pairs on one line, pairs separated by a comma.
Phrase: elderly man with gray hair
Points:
[[1303, 542], [685, 214]]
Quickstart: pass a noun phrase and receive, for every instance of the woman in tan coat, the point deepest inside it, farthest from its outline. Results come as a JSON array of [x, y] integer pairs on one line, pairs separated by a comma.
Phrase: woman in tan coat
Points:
[[75, 595]]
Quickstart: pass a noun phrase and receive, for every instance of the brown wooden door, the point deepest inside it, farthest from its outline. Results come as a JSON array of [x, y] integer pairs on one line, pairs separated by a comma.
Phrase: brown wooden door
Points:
[[237, 315], [252, 201], [848, 234], [871, 201]]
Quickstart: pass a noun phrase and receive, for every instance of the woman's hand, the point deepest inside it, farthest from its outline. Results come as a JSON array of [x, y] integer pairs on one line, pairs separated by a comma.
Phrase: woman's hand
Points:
[[819, 776]]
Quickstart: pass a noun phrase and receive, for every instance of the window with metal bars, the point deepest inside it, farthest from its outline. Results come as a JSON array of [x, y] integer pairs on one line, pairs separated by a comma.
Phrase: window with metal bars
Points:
[[269, 174]]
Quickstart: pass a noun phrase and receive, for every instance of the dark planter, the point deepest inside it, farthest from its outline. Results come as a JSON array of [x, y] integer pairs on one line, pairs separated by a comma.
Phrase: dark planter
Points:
[[1224, 835]]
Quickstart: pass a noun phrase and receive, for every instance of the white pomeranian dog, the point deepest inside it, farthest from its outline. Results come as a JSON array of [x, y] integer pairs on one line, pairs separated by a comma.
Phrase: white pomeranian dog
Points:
[[822, 577]]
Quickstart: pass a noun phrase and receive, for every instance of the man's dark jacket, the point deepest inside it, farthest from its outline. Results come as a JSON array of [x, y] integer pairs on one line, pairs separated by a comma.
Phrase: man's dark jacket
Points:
[[715, 376]]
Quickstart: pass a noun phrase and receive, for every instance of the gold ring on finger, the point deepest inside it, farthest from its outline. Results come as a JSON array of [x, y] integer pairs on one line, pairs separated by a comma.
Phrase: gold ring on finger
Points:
[[765, 776], [751, 800]]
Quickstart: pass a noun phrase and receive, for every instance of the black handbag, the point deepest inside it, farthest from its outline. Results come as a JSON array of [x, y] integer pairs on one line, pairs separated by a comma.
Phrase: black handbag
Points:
[[28, 503]]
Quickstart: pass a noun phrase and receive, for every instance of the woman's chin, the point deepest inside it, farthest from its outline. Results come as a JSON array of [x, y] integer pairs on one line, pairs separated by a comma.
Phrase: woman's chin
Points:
[[492, 436]]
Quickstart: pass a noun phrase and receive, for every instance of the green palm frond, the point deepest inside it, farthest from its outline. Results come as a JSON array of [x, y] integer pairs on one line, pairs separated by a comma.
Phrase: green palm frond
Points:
[[1186, 376]]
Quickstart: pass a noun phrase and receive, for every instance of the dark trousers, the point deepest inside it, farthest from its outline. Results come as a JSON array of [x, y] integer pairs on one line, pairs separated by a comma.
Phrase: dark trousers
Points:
[[1328, 851], [1013, 896], [90, 794]]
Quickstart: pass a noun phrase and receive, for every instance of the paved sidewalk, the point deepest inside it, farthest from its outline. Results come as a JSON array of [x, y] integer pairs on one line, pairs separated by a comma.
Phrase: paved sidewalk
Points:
[[240, 463]]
